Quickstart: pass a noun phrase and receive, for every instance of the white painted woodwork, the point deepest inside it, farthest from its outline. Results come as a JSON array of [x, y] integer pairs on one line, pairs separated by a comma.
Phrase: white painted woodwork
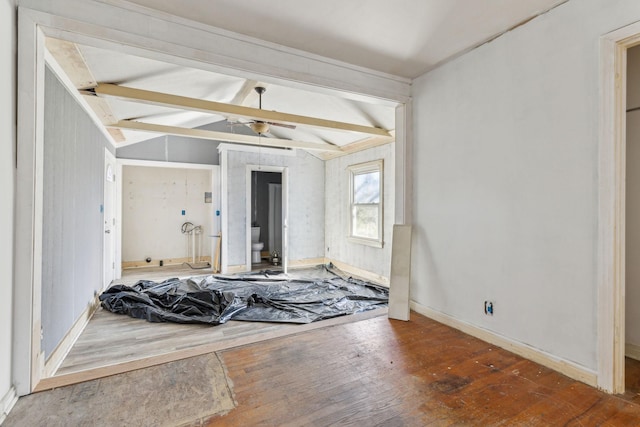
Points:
[[192, 104], [221, 136], [399, 282], [283, 209], [611, 247], [8, 42]]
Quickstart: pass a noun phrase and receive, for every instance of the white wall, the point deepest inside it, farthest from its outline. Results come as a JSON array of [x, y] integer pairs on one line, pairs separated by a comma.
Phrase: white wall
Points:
[[632, 280], [7, 178], [371, 259], [306, 203], [506, 184], [152, 203]]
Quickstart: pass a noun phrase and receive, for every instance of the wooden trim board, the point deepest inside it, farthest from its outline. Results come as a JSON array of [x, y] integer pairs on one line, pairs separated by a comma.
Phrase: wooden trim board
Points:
[[611, 207], [400, 280], [565, 367], [166, 261], [632, 351], [57, 356], [7, 403], [364, 274]]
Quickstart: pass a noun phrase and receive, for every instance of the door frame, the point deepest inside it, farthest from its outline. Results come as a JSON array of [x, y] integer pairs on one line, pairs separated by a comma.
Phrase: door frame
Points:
[[611, 202], [126, 27], [285, 210]]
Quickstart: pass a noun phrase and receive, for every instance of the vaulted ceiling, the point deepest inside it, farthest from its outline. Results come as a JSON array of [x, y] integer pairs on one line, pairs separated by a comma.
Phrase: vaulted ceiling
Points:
[[139, 98]]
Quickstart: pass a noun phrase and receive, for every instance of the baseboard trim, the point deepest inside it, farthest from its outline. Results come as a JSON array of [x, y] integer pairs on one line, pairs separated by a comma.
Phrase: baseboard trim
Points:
[[57, 356], [563, 366], [232, 269], [306, 262], [364, 274], [7, 403], [166, 261], [632, 351]]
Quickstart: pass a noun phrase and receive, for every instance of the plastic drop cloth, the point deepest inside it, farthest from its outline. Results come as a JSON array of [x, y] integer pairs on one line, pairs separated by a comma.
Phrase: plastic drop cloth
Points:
[[263, 297]]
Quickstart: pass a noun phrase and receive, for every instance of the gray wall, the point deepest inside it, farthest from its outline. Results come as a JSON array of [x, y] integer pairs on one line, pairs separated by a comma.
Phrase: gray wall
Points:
[[181, 149], [306, 203], [73, 222], [338, 247], [7, 181]]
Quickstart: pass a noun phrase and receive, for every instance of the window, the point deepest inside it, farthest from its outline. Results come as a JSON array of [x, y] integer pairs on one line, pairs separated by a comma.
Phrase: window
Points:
[[365, 190]]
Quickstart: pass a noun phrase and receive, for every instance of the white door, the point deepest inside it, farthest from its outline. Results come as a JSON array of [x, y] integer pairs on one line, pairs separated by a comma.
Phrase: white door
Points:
[[109, 264], [275, 218]]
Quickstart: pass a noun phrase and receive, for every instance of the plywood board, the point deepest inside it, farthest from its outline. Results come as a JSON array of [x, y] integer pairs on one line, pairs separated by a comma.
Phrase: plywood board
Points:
[[400, 272]]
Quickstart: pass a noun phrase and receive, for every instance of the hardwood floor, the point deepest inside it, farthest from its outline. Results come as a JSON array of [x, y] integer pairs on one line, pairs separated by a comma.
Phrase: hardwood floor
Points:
[[380, 372]]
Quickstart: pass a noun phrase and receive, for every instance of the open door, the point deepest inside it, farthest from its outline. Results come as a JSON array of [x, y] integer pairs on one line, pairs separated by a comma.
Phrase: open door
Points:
[[108, 206]]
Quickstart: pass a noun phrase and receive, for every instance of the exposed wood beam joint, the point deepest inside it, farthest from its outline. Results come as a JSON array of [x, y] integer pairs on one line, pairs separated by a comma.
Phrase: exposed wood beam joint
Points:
[[193, 104], [363, 144], [221, 136]]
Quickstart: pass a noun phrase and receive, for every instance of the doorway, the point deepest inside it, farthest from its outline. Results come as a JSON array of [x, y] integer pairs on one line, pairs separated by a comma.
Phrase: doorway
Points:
[[266, 217], [612, 173]]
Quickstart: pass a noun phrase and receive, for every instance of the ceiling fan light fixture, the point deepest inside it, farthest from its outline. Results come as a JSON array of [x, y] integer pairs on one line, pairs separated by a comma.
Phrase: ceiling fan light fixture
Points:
[[259, 127]]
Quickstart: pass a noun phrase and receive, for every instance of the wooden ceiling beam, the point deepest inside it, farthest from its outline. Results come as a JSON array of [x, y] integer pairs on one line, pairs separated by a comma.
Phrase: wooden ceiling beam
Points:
[[363, 144], [70, 59], [221, 136], [186, 103]]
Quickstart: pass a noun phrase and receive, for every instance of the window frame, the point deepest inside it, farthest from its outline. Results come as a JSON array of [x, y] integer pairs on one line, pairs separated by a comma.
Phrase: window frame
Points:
[[359, 169]]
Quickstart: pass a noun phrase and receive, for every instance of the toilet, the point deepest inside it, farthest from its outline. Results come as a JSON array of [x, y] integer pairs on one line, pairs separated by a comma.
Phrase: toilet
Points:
[[256, 246]]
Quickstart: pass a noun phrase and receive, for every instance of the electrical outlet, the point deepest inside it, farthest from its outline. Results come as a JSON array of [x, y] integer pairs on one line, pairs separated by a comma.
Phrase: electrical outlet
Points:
[[488, 308]]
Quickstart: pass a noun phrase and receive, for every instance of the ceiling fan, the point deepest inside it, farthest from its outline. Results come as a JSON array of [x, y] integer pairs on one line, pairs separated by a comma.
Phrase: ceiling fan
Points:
[[259, 126]]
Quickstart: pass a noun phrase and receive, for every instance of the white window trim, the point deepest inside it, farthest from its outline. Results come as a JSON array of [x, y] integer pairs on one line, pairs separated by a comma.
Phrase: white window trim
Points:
[[373, 166]]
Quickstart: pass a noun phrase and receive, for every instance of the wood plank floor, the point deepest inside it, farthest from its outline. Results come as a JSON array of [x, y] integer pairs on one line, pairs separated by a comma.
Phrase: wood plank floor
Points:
[[113, 343], [380, 372]]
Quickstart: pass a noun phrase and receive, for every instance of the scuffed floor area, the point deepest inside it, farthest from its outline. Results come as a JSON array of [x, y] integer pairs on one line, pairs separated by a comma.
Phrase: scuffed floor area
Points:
[[184, 392]]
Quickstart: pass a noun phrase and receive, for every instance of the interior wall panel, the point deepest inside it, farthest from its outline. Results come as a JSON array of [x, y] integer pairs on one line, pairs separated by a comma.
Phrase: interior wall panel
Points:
[[73, 220], [306, 203], [338, 247], [152, 205]]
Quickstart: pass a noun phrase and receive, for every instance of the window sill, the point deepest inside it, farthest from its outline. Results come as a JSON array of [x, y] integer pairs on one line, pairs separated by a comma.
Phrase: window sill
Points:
[[366, 242]]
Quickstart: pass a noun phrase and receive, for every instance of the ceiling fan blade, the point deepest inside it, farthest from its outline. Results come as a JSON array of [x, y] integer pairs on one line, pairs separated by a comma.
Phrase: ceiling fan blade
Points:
[[282, 125]]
